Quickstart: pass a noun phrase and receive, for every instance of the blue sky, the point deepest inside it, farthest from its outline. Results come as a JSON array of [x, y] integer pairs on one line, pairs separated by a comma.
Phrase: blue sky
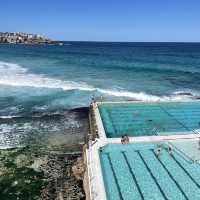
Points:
[[104, 20]]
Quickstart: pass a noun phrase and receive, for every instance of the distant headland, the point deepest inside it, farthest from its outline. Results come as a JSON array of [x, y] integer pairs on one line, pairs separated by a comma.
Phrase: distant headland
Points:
[[23, 38]]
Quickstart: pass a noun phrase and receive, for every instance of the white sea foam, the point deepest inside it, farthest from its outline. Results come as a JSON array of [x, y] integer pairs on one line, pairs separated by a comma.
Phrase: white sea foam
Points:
[[137, 96], [16, 75], [7, 117], [143, 96]]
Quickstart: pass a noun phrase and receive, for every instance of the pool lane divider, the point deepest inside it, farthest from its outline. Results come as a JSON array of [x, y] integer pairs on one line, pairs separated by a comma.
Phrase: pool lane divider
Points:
[[170, 175], [182, 154], [180, 123], [188, 174], [115, 177], [132, 173], [151, 173]]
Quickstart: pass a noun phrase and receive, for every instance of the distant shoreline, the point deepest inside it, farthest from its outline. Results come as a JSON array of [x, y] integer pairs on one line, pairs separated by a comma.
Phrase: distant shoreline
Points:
[[23, 38], [68, 43], [52, 43]]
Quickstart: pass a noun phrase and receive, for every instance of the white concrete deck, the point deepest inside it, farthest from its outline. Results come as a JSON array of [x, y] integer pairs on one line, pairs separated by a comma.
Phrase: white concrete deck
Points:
[[147, 101], [96, 183]]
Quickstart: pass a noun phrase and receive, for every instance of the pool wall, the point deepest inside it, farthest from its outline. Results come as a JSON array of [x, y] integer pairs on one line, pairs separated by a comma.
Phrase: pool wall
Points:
[[100, 127], [94, 171], [102, 133], [95, 174], [173, 126], [134, 171]]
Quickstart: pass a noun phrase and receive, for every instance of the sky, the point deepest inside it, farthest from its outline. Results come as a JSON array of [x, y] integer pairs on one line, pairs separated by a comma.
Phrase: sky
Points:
[[104, 20]]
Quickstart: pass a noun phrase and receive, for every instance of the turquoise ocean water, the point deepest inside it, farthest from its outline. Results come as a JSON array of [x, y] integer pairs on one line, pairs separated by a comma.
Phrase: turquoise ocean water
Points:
[[46, 80]]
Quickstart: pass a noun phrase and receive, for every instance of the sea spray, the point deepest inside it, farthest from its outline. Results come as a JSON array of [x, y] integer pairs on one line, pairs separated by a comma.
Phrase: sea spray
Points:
[[17, 76]]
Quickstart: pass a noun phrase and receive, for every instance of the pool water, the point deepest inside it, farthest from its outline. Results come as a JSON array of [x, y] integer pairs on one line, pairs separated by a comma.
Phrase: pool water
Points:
[[189, 147], [146, 119], [134, 172]]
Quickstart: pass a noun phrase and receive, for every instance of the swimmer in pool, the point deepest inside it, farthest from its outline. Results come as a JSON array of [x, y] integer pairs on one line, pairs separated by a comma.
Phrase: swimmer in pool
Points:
[[126, 139], [123, 139], [157, 152], [170, 150]]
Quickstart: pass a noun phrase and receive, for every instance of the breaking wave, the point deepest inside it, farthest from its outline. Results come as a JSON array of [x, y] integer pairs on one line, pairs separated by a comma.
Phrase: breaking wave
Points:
[[18, 76]]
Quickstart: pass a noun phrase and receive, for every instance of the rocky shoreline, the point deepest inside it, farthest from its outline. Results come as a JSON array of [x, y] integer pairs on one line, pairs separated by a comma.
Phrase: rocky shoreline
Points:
[[62, 184], [42, 170], [31, 175]]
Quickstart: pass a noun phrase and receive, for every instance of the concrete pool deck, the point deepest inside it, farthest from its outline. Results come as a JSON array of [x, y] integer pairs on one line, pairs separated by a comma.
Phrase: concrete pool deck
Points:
[[95, 177]]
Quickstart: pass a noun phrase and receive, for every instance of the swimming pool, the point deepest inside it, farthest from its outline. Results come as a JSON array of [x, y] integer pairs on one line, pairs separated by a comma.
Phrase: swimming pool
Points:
[[134, 172], [146, 119]]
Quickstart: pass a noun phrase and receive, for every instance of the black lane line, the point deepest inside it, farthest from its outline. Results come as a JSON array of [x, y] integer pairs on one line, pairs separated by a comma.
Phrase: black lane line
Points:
[[115, 177], [183, 125], [182, 154], [154, 178], [113, 125], [170, 175], [133, 175], [181, 166]]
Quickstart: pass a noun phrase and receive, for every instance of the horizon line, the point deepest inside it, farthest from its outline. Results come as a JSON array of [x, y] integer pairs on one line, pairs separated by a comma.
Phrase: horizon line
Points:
[[126, 41]]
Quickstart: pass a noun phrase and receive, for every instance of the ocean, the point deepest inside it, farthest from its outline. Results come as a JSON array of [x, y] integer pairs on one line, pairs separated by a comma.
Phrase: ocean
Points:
[[43, 87]]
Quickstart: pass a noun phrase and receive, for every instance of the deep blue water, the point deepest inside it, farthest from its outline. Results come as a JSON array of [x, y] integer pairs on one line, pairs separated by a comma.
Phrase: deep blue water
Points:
[[51, 78]]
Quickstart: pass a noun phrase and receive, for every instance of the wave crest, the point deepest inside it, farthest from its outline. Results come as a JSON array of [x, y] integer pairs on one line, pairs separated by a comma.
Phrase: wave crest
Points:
[[16, 75]]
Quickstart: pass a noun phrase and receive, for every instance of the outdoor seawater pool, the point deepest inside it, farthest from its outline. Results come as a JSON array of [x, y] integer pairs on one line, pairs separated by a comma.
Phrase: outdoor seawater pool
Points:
[[133, 171], [147, 119]]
